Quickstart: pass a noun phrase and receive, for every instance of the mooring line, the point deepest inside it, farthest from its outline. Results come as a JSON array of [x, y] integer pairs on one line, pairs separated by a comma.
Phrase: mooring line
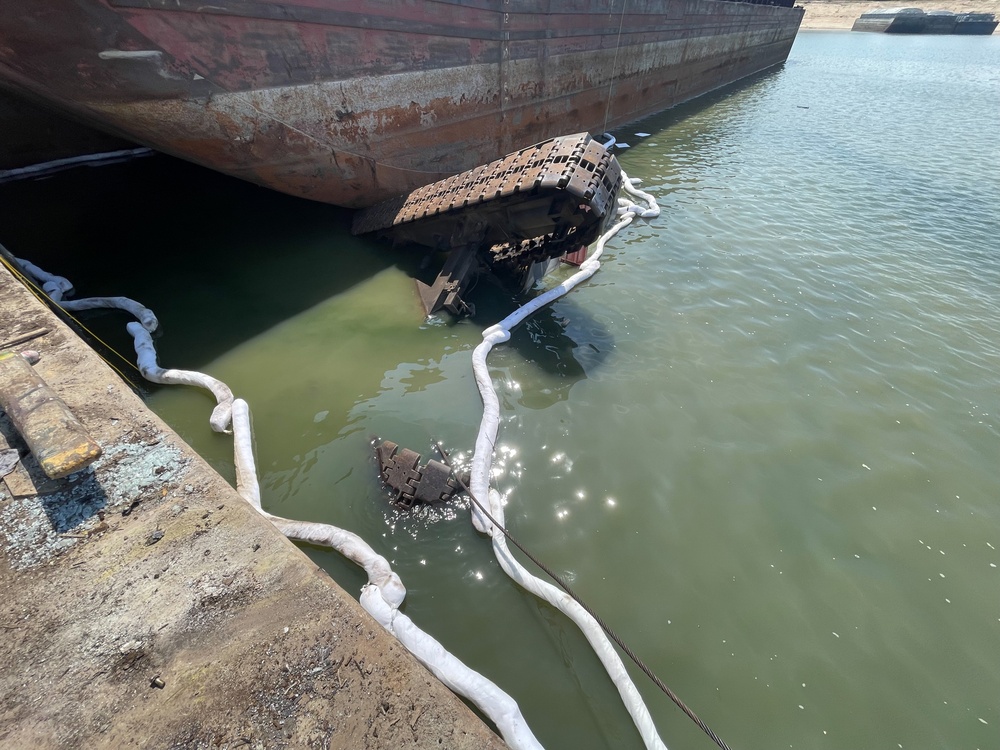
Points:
[[45, 298], [482, 461], [604, 626], [614, 66]]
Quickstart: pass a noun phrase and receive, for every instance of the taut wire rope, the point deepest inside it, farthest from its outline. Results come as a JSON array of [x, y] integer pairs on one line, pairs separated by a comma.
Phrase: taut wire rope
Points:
[[42, 296], [600, 621], [614, 66]]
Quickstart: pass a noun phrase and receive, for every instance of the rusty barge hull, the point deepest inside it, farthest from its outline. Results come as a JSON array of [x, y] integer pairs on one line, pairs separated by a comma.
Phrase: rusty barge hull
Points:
[[350, 102]]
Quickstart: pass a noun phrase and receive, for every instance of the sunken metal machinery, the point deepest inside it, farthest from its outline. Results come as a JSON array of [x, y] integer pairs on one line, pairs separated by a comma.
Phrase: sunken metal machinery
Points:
[[504, 217], [412, 483]]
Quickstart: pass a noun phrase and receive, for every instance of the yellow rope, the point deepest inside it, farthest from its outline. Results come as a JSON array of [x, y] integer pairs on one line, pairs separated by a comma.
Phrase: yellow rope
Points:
[[43, 297]]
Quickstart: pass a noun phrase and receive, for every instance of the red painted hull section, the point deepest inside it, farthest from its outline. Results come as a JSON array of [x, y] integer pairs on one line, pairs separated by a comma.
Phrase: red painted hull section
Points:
[[352, 101]]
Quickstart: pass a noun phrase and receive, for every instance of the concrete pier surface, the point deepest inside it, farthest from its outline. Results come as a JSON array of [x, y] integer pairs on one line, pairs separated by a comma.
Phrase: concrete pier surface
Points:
[[145, 604]]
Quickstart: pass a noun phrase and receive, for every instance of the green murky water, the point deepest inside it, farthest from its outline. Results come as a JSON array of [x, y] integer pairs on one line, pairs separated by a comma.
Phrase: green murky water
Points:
[[762, 441]]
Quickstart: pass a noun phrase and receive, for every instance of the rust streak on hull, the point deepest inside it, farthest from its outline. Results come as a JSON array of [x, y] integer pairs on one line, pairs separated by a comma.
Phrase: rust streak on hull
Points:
[[352, 101]]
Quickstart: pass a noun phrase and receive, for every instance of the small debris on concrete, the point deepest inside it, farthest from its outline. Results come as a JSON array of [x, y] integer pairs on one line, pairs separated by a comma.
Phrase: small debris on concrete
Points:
[[154, 537], [8, 460]]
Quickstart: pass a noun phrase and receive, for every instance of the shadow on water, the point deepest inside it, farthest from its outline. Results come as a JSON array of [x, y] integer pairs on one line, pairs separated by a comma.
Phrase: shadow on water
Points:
[[191, 243], [555, 348], [187, 242], [544, 340]]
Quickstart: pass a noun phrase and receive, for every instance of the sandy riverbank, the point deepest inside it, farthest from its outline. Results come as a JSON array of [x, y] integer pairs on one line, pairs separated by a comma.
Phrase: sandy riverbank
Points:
[[841, 14]]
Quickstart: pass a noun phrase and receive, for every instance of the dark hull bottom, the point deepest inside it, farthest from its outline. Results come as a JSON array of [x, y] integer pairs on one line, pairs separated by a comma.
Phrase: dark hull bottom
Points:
[[33, 134]]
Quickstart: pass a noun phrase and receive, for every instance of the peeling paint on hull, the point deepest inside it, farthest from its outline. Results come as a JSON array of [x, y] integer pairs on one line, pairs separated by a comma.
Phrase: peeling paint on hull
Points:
[[354, 101]]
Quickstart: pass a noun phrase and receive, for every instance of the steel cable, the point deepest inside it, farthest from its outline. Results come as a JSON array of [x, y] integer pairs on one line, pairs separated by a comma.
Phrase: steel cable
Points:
[[604, 626]]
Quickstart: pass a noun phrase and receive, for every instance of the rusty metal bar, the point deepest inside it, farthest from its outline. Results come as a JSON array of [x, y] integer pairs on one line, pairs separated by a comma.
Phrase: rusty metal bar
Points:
[[55, 436], [23, 338]]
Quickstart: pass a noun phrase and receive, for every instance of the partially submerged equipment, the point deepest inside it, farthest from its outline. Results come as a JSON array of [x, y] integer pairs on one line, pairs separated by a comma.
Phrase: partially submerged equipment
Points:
[[530, 207], [412, 483]]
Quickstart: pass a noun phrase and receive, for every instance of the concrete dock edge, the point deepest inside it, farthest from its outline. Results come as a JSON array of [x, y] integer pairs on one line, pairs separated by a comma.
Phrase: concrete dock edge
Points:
[[146, 605]]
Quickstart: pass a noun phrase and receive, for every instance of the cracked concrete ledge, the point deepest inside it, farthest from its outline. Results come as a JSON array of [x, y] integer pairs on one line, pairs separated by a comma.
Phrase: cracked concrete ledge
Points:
[[145, 604]]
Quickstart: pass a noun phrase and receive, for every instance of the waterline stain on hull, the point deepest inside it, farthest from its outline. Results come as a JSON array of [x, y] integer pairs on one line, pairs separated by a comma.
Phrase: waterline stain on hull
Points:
[[353, 102]]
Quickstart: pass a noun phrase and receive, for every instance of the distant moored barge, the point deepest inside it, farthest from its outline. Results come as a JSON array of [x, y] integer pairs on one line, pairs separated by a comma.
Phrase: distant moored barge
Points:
[[916, 21]]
